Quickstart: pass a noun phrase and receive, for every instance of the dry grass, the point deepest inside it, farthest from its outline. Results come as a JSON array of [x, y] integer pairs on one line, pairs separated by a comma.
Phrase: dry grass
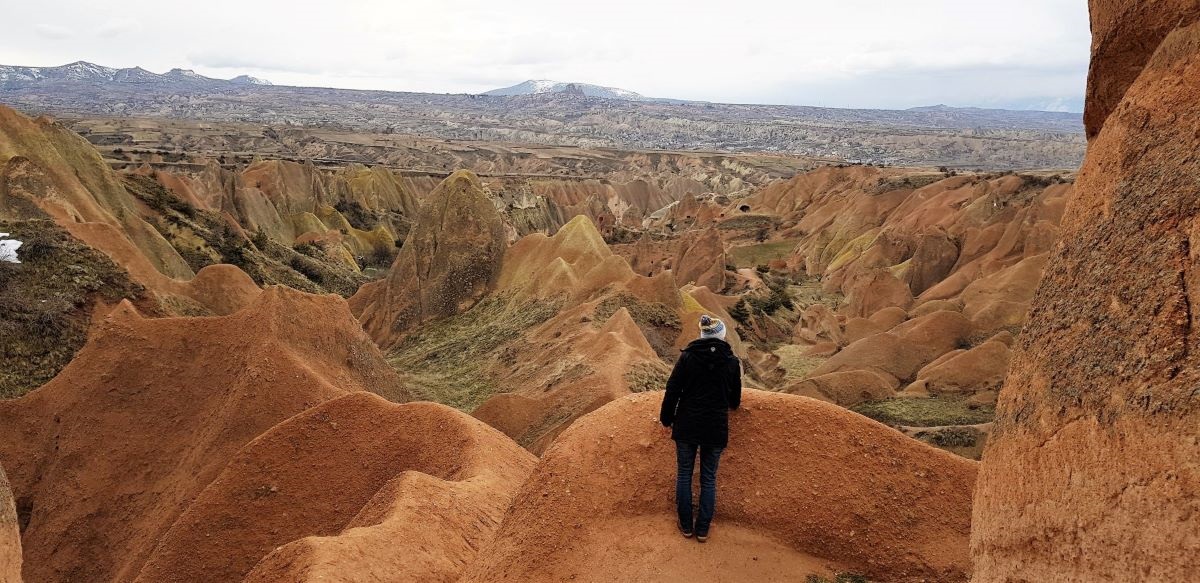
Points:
[[925, 412], [203, 238], [446, 361], [46, 302], [762, 253], [797, 364]]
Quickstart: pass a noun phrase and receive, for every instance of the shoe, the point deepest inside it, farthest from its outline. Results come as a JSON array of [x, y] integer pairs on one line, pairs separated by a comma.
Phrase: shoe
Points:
[[686, 532], [702, 536]]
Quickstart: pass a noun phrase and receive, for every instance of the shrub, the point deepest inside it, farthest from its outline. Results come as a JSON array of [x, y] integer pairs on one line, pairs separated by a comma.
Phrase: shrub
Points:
[[839, 578], [260, 239], [740, 312]]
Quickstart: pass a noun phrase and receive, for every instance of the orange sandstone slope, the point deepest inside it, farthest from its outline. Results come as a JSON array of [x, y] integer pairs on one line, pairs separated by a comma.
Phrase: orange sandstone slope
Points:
[[884, 240], [1093, 473], [10, 535], [807, 487], [592, 349], [108, 454], [953, 260], [355, 489], [566, 327], [290, 203], [48, 171]]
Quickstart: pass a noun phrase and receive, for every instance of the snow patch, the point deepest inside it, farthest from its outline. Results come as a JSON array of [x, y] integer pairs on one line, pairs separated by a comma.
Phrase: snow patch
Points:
[[8, 249]]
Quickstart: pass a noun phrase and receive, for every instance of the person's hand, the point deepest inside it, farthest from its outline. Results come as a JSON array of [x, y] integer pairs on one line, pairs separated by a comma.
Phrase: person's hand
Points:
[[666, 429]]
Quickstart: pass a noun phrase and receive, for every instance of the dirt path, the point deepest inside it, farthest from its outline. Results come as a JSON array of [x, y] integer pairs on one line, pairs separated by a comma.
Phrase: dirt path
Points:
[[648, 548]]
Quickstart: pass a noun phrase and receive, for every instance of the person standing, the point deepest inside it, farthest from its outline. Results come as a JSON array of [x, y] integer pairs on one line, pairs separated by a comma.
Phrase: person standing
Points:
[[705, 385]]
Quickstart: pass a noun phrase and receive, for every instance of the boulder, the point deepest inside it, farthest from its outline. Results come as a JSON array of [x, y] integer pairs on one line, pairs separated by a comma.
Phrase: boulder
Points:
[[846, 388], [818, 323], [935, 256], [966, 372], [875, 290]]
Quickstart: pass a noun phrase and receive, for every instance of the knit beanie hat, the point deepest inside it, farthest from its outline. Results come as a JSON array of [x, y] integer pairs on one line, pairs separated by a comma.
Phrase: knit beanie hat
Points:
[[711, 327]]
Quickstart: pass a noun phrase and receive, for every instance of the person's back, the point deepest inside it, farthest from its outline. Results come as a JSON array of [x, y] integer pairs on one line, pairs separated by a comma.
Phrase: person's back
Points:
[[704, 386]]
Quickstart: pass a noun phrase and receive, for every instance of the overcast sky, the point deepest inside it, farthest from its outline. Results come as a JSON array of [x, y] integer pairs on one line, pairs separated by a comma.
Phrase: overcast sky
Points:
[[1025, 54]]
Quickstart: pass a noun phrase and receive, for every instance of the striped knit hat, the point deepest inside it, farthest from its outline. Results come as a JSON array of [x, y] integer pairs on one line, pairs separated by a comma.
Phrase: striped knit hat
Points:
[[711, 327]]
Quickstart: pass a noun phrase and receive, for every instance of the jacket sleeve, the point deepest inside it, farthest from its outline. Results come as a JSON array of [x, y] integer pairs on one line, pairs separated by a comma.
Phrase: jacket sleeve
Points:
[[674, 391], [734, 398]]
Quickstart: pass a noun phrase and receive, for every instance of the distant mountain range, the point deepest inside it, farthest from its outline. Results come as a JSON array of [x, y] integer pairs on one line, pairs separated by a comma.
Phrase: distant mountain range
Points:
[[82, 71], [565, 114], [543, 86]]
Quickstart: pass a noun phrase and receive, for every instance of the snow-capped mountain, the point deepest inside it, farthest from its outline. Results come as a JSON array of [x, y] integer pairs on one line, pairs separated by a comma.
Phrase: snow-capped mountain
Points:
[[248, 80], [542, 86], [83, 71]]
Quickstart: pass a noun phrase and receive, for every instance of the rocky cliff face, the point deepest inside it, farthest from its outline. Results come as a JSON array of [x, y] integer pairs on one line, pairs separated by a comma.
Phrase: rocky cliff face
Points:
[[10, 534], [1092, 473]]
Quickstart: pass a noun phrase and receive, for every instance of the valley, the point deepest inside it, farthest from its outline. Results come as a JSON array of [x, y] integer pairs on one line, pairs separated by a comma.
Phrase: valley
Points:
[[264, 333], [963, 138]]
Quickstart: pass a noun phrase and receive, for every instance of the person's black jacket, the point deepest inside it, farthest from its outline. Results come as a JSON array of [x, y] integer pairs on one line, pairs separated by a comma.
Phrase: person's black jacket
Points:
[[705, 385]]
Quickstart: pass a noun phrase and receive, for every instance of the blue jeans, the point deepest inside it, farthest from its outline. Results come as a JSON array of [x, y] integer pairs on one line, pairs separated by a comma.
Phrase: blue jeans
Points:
[[685, 454]]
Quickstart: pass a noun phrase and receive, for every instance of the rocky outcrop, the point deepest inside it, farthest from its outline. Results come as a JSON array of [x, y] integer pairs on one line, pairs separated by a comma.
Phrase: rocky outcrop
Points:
[[846, 494], [447, 263], [903, 249], [845, 388], [46, 171], [107, 455], [594, 348], [964, 372], [1091, 472], [898, 354], [406, 492], [700, 260], [10, 534], [1124, 37]]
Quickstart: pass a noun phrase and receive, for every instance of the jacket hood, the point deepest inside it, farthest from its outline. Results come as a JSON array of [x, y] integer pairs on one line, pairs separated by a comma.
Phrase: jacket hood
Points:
[[710, 349]]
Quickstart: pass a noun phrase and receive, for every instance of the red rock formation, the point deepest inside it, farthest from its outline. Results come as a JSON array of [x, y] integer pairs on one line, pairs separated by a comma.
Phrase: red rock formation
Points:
[[580, 359], [447, 263], [978, 369], [330, 484], [109, 453], [47, 171], [700, 260], [805, 486], [10, 535], [1091, 473], [900, 244], [845, 388], [899, 353]]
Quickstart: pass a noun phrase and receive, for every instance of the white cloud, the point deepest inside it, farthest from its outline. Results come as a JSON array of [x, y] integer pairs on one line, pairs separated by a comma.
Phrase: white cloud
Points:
[[115, 27], [879, 53], [51, 31]]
